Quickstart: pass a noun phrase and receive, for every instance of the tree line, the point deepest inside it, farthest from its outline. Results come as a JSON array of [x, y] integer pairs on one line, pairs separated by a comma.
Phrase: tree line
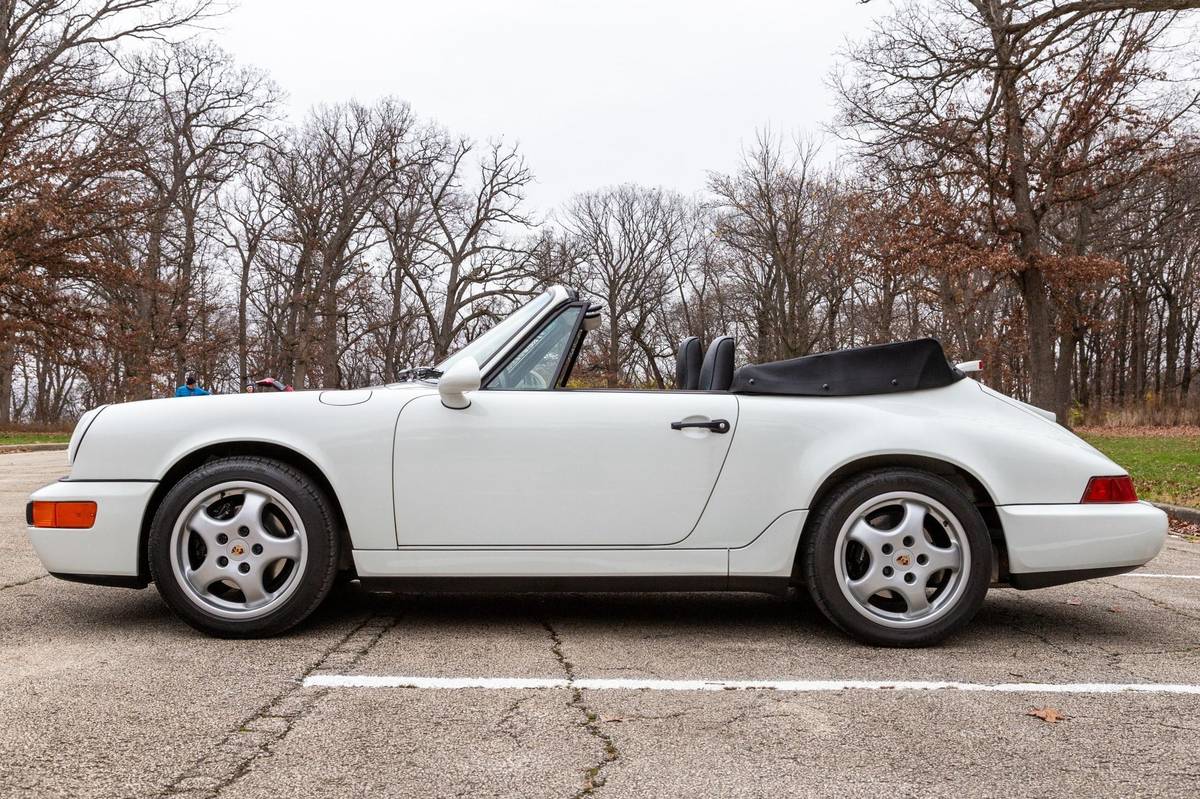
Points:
[[1022, 182]]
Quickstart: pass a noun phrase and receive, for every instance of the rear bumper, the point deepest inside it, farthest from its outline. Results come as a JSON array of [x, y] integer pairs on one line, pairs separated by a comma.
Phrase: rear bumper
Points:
[[1053, 544], [107, 553]]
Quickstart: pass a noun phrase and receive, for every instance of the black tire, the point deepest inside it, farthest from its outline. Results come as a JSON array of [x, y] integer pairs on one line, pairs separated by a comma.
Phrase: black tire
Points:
[[819, 551], [320, 534]]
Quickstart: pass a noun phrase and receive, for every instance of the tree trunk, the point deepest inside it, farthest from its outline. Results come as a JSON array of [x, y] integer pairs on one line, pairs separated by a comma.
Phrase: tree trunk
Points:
[[1172, 336], [183, 310], [242, 335], [1038, 312], [613, 365], [143, 363], [1067, 345], [330, 377], [8, 362], [390, 360], [1096, 357], [443, 338], [294, 339], [1040, 335], [1138, 366], [655, 373], [1120, 369], [1189, 350], [1156, 361], [1083, 377]]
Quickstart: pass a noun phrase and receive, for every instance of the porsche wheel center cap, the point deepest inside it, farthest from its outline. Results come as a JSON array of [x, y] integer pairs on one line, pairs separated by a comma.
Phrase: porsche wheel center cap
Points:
[[904, 559], [237, 550]]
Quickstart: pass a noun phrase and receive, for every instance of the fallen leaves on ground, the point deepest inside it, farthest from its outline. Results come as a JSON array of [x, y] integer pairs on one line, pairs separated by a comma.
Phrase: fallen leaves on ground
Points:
[[1186, 530], [1145, 431], [1050, 715]]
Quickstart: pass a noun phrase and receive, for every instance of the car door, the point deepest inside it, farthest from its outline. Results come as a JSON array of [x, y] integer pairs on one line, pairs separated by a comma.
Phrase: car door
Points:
[[530, 464], [558, 468]]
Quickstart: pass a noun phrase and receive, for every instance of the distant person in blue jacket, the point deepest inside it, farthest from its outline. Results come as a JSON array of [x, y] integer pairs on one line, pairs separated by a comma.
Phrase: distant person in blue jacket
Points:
[[190, 389]]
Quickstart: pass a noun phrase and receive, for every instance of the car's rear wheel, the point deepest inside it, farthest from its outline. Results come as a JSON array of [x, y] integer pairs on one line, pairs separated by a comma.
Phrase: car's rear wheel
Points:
[[898, 557], [244, 547]]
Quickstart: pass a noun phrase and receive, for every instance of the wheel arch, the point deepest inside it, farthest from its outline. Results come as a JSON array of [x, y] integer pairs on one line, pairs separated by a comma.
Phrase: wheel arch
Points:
[[970, 483], [226, 449]]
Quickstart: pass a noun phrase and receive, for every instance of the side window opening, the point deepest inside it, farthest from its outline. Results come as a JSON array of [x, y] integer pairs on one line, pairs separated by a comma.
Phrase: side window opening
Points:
[[536, 367]]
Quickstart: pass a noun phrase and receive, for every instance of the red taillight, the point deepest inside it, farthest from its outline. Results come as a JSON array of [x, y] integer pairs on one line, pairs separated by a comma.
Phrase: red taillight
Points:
[[70, 515], [1110, 489]]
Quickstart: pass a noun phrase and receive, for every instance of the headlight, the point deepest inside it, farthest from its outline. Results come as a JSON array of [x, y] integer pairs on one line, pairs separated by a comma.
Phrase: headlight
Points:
[[81, 429]]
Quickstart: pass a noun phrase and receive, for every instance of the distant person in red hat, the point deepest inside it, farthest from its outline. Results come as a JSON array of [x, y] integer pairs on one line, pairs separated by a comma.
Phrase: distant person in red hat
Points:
[[271, 384]]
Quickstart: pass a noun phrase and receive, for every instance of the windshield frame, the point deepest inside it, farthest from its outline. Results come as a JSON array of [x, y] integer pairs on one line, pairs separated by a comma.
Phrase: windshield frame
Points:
[[517, 351], [495, 343]]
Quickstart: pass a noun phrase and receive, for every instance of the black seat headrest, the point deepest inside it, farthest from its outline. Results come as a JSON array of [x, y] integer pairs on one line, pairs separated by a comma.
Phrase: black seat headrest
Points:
[[687, 364], [716, 374]]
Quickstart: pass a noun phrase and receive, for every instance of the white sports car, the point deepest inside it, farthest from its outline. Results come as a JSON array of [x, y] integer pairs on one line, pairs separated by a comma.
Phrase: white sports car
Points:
[[879, 479]]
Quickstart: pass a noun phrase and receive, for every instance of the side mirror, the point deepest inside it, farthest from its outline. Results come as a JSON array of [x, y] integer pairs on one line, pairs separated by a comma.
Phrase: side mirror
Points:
[[460, 378]]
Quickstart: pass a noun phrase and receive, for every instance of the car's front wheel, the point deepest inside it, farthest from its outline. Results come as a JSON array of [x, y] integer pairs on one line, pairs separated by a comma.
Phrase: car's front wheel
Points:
[[244, 547], [897, 557]]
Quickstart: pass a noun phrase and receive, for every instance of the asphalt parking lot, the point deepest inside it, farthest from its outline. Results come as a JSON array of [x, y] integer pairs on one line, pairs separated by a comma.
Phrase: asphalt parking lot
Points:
[[104, 693]]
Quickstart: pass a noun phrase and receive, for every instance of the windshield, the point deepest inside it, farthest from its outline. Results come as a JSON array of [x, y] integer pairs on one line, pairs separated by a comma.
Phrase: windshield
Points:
[[483, 348]]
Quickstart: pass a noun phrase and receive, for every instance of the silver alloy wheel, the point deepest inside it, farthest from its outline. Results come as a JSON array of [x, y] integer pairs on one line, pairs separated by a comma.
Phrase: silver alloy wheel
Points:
[[902, 559], [238, 550]]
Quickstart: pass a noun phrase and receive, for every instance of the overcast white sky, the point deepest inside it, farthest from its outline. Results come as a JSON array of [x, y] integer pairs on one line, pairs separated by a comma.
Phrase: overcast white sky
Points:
[[596, 93]]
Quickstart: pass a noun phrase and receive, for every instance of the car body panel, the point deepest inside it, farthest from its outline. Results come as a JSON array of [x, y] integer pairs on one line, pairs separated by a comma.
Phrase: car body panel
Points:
[[772, 553], [350, 444], [1050, 538], [516, 562], [110, 547], [787, 447], [558, 468]]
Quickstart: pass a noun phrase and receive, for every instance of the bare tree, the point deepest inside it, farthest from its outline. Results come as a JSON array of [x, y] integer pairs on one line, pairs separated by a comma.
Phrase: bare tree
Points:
[[774, 219], [453, 245], [248, 220], [202, 116], [328, 178], [625, 237], [1030, 100]]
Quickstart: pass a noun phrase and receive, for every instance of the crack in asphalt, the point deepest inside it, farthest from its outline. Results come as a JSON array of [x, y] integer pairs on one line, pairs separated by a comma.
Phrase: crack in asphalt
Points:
[[1115, 659], [253, 738], [678, 714], [1184, 550], [594, 776], [504, 723], [1155, 602]]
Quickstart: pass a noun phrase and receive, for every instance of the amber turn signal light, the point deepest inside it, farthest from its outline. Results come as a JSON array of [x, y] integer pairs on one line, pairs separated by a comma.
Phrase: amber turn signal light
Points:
[[69, 515], [1110, 489]]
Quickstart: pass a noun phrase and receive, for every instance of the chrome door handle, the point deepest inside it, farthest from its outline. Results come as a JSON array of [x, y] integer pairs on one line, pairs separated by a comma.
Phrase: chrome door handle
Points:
[[716, 425]]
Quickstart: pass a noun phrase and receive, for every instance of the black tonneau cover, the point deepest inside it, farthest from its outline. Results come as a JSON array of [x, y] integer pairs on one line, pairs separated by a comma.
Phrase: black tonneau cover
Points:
[[882, 369]]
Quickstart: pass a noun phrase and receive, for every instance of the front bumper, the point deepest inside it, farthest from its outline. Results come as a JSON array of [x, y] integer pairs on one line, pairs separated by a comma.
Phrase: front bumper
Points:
[[107, 553], [1053, 544]]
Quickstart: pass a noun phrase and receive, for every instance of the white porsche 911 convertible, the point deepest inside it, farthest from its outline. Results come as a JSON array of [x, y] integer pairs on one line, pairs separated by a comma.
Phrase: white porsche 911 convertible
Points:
[[879, 479]]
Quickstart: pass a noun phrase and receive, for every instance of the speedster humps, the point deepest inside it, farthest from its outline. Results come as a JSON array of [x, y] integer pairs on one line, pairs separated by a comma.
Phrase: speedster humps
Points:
[[881, 480]]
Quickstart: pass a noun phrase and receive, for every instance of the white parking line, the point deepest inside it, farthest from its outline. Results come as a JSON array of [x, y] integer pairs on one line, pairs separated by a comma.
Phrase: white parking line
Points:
[[1161, 576], [804, 686]]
